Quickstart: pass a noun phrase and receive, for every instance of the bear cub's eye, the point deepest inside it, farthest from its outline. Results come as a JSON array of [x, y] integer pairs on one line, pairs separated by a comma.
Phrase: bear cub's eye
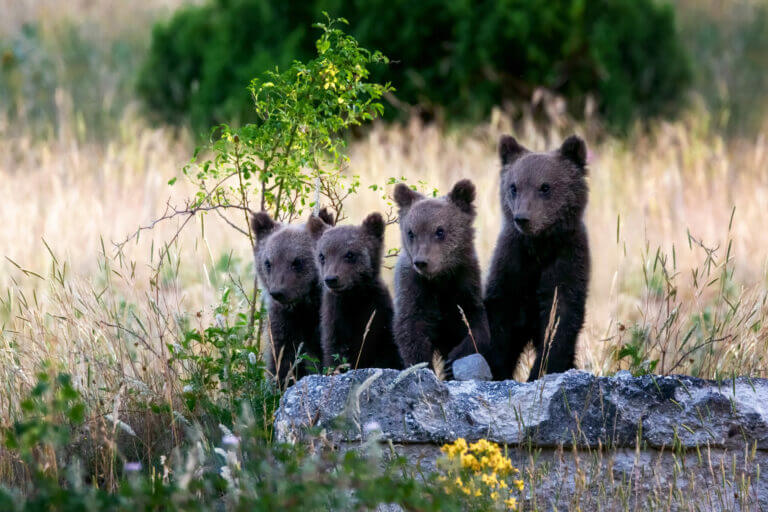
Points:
[[321, 257], [544, 188], [296, 265], [440, 234], [267, 265], [513, 190], [349, 257], [410, 235]]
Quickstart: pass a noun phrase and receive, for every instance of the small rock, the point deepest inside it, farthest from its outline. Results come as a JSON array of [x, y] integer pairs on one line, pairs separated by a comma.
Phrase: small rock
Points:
[[472, 367]]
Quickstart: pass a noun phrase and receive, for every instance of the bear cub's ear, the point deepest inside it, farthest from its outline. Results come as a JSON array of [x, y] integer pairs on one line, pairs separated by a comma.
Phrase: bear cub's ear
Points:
[[326, 216], [262, 224], [316, 226], [510, 150], [374, 225], [463, 195], [405, 196], [575, 150]]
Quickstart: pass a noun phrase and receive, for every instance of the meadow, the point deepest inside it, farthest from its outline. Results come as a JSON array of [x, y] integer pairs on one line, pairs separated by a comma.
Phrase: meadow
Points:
[[680, 257]]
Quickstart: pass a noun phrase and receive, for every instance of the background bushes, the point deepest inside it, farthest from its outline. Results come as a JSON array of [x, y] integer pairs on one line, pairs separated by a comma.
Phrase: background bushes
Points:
[[456, 58]]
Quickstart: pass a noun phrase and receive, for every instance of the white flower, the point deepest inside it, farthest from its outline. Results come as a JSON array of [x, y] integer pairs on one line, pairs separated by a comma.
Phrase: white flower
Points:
[[372, 426], [188, 388], [252, 358]]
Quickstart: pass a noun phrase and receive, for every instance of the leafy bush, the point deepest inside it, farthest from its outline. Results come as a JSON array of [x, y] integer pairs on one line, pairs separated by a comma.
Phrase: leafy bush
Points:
[[463, 56], [222, 369]]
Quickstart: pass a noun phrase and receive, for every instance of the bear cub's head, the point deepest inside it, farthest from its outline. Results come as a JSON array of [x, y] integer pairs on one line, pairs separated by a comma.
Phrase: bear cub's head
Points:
[[284, 257], [436, 233], [348, 256], [543, 192]]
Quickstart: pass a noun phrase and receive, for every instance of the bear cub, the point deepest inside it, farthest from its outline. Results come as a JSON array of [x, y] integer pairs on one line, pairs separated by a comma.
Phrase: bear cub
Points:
[[437, 272], [354, 296], [284, 260], [541, 258]]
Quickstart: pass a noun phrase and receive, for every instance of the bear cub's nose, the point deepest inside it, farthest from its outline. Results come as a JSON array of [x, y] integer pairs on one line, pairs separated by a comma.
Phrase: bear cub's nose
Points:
[[279, 296], [522, 221], [332, 281], [420, 264]]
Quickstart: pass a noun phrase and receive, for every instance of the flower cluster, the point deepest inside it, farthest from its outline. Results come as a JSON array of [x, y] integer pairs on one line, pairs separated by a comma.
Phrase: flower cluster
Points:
[[480, 471]]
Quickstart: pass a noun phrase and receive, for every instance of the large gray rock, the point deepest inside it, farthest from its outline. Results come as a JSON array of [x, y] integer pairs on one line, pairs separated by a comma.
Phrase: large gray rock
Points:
[[573, 408], [631, 431]]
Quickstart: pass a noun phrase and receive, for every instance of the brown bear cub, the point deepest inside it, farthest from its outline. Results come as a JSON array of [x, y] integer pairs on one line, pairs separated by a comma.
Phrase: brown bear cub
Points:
[[437, 273], [356, 315], [284, 259], [541, 258]]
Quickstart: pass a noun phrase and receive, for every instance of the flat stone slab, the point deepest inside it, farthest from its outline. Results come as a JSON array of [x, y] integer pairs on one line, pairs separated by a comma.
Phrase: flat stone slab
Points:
[[573, 408]]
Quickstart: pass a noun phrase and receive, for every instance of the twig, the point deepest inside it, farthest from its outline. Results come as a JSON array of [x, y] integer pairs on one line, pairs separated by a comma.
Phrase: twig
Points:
[[365, 335], [471, 336]]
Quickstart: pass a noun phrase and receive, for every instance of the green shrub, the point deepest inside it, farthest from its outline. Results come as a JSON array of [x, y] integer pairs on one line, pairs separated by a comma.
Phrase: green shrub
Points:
[[459, 57]]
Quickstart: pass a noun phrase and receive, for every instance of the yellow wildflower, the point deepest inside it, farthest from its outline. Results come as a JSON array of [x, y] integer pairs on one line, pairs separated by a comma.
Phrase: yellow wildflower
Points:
[[468, 461], [511, 503], [490, 479], [519, 484]]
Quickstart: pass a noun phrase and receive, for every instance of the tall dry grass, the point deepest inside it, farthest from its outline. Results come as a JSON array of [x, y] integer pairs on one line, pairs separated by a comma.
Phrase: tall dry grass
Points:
[[674, 221]]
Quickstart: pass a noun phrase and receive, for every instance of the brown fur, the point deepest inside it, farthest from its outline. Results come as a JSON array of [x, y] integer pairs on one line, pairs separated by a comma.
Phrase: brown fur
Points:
[[542, 247], [349, 262], [437, 272], [284, 260]]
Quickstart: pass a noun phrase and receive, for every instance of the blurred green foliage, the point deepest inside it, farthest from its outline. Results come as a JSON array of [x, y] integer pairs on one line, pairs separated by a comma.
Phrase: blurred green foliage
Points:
[[459, 57], [729, 43]]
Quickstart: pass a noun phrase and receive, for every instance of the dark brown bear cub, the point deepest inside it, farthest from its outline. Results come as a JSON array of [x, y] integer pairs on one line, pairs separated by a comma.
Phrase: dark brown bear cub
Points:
[[284, 259], [437, 273], [354, 296], [541, 258]]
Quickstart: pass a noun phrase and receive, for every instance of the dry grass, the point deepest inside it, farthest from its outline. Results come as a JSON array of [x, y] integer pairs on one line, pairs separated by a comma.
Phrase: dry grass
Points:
[[657, 188]]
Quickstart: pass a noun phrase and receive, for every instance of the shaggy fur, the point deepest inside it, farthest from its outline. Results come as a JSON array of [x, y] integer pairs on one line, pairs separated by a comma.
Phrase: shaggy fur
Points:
[[349, 262], [437, 272], [284, 260], [542, 248]]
